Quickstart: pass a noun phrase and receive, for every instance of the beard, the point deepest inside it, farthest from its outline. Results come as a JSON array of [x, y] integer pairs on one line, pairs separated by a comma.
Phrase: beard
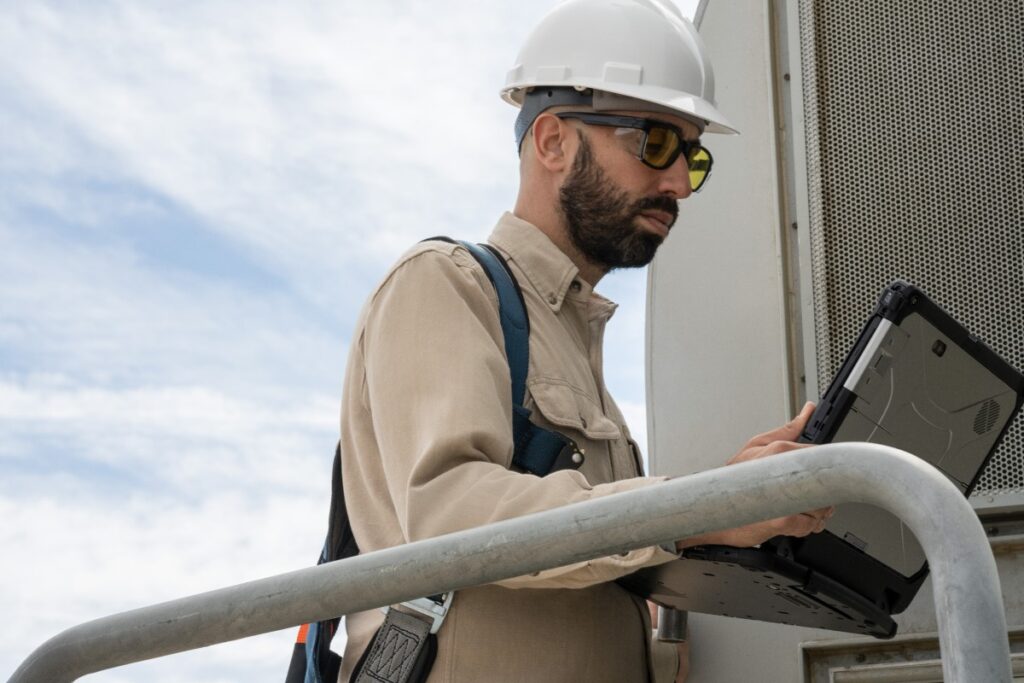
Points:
[[600, 216]]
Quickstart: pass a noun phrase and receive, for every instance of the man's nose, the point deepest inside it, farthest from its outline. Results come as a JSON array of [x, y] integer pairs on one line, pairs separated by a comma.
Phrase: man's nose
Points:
[[675, 180]]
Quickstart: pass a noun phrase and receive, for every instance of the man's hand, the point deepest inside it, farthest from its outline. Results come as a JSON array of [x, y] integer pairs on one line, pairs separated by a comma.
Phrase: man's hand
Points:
[[779, 440]]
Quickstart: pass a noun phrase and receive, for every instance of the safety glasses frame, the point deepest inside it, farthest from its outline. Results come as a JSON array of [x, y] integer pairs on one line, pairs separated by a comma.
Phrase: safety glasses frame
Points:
[[646, 125]]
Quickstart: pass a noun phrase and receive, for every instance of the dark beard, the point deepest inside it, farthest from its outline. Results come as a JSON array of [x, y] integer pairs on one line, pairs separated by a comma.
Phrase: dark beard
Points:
[[600, 216]]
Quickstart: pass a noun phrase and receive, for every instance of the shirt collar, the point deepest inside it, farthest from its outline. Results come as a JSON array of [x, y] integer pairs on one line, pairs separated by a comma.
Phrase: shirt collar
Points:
[[548, 269]]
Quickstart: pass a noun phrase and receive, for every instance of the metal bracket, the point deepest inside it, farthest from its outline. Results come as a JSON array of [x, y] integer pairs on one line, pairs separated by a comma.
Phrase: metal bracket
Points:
[[434, 608]]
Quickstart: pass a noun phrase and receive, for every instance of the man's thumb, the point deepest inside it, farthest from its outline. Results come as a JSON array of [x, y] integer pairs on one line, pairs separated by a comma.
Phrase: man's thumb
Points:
[[796, 425]]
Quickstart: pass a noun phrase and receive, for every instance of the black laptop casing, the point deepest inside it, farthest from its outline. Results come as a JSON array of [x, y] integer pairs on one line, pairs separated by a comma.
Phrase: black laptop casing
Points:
[[915, 379]]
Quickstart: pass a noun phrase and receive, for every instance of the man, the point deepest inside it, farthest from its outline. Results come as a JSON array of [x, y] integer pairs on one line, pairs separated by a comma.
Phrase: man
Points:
[[614, 96]]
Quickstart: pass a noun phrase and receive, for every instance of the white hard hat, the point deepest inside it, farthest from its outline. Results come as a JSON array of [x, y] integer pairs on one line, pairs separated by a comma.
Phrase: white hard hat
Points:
[[640, 49]]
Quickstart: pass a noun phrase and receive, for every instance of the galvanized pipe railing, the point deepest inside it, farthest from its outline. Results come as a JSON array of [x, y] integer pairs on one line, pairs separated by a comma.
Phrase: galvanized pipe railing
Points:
[[972, 626]]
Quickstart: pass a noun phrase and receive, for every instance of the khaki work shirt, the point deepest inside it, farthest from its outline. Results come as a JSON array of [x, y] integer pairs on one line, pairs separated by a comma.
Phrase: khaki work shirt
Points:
[[427, 445]]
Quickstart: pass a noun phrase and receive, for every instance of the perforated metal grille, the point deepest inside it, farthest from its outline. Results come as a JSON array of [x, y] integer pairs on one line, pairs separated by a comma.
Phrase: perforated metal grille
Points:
[[915, 139]]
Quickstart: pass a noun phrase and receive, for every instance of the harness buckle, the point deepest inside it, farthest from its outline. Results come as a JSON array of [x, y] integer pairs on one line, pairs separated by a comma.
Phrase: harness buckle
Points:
[[434, 607]]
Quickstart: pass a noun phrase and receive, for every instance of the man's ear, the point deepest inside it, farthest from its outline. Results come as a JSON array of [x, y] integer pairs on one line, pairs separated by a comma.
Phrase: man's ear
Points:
[[552, 142]]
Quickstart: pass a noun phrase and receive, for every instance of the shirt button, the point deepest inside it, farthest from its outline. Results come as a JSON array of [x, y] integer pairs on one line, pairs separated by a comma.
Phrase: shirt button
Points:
[[552, 299], [575, 286]]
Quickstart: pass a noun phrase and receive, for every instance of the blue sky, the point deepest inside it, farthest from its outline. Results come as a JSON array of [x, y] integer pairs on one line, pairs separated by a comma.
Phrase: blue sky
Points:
[[196, 199]]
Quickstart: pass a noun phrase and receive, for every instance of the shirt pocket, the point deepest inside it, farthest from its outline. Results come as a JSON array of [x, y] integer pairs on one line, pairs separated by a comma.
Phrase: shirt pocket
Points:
[[565, 406]]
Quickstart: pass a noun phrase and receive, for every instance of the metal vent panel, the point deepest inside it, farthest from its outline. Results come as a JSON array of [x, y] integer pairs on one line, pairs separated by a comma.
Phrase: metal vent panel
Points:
[[915, 156]]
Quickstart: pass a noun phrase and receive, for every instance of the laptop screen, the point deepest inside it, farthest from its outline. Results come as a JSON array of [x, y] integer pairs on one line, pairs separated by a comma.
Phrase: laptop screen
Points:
[[919, 391]]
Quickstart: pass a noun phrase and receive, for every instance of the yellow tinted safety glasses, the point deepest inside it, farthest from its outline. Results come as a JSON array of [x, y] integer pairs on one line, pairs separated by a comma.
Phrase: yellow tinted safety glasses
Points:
[[661, 143]]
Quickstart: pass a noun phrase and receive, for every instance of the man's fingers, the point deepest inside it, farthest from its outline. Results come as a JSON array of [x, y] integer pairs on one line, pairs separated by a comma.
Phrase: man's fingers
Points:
[[776, 447], [812, 521], [797, 424], [773, 448], [787, 432], [820, 513], [801, 525], [786, 446]]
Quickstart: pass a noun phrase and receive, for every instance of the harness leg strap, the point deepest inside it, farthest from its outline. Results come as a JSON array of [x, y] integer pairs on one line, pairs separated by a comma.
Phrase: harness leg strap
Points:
[[402, 651]]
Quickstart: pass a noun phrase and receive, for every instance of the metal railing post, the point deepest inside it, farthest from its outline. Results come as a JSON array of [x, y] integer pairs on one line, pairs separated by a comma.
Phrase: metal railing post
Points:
[[972, 625]]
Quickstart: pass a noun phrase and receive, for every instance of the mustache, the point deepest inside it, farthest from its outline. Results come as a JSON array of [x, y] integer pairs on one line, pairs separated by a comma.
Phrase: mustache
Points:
[[659, 203]]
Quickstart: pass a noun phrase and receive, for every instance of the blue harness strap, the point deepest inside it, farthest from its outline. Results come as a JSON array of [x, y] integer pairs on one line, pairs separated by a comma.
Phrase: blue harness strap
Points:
[[536, 450], [515, 325]]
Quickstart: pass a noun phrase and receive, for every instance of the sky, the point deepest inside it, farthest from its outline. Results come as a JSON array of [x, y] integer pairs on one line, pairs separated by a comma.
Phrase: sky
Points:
[[195, 200]]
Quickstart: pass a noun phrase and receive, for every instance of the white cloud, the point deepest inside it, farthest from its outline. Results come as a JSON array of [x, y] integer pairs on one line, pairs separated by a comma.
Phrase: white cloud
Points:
[[307, 135], [166, 426], [83, 559], [190, 491], [176, 435], [99, 311]]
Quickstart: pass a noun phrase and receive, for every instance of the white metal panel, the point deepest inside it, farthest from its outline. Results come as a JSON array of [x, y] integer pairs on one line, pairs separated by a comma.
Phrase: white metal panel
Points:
[[717, 351], [717, 334]]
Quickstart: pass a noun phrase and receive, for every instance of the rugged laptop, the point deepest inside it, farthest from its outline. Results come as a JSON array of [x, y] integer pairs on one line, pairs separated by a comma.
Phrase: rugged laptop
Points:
[[916, 380]]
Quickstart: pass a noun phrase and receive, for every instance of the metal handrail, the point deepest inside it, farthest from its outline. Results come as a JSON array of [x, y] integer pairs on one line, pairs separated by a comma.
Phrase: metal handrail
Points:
[[972, 626]]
